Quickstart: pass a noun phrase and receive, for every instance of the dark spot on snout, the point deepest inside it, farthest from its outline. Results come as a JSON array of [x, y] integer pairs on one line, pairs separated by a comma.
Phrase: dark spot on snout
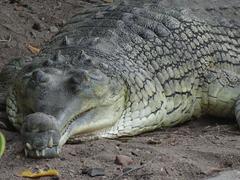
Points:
[[48, 63], [40, 76]]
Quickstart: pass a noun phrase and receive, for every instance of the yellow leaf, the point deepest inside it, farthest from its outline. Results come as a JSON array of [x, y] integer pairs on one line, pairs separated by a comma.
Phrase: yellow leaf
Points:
[[50, 172], [2, 144], [33, 49]]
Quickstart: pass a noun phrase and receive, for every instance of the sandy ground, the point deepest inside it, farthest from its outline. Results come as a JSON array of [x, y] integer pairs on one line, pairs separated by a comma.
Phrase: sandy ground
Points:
[[196, 150]]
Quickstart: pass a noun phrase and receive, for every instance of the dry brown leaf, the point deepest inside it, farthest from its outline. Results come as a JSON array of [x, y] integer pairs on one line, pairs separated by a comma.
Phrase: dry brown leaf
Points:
[[33, 49], [40, 173]]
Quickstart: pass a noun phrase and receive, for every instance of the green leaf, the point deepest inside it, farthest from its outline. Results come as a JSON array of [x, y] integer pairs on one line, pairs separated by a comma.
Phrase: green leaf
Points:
[[2, 144]]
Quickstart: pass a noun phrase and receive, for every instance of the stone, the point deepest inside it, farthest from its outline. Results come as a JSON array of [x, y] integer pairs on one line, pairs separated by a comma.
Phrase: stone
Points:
[[37, 26], [123, 160], [53, 29], [93, 172]]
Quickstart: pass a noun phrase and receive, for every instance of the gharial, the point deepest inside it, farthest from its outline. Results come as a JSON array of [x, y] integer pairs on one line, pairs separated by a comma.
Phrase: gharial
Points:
[[122, 70]]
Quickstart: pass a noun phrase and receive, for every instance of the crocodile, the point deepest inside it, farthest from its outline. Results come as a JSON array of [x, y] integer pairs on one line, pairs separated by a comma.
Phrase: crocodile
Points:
[[121, 70]]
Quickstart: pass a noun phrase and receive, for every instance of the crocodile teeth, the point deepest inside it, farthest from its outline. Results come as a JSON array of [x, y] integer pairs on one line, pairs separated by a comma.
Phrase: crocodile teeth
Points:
[[50, 143], [26, 152], [43, 152], [37, 153], [67, 41], [29, 146], [58, 150], [59, 57], [83, 55]]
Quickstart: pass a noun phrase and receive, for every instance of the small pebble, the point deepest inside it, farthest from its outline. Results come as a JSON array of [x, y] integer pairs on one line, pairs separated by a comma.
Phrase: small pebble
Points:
[[62, 159], [53, 29], [18, 8], [55, 178], [94, 172], [36, 26], [123, 160], [71, 174], [64, 22], [73, 153], [71, 170], [153, 141], [33, 34]]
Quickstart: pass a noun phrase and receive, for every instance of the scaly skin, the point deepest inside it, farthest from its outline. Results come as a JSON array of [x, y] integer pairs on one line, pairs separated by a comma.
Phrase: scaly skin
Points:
[[122, 71]]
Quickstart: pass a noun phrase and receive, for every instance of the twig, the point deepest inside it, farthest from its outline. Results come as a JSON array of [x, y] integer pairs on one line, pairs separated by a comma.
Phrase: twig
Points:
[[131, 170], [10, 29], [6, 40]]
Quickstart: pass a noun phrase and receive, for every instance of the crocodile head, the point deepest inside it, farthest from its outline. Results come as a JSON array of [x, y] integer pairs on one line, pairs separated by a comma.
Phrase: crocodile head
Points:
[[48, 104]]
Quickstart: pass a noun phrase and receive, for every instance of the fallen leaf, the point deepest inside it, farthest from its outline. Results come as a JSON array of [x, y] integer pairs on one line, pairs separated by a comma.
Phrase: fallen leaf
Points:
[[30, 174], [2, 144], [33, 49]]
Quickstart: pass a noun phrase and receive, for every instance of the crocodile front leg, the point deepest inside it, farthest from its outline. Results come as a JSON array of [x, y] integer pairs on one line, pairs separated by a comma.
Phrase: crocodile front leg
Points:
[[237, 111], [221, 94], [7, 75]]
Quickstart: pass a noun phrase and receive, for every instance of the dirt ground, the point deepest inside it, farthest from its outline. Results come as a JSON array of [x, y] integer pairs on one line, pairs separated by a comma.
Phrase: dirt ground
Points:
[[195, 150]]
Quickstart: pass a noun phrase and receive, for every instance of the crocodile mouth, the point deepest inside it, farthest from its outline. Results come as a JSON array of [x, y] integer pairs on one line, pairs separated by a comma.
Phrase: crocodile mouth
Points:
[[76, 118]]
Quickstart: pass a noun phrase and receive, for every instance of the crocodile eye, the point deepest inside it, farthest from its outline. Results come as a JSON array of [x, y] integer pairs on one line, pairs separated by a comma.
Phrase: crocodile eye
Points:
[[88, 62], [96, 75], [48, 62], [39, 76]]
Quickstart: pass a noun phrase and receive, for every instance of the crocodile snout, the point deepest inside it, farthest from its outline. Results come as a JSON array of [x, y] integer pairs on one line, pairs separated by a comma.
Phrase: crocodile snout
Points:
[[41, 135]]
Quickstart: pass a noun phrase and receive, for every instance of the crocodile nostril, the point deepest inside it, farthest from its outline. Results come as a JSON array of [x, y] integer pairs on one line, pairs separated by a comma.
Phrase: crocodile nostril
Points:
[[48, 62], [40, 76]]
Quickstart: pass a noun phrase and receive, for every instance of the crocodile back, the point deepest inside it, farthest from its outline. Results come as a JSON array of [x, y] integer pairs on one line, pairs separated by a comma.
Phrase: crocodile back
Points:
[[161, 54]]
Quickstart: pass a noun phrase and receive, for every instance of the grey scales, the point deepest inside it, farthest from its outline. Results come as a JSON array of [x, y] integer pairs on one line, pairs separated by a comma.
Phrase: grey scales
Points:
[[121, 70]]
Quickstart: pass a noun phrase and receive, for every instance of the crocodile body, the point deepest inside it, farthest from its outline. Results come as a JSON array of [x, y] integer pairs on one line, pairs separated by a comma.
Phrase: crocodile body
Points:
[[164, 66]]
